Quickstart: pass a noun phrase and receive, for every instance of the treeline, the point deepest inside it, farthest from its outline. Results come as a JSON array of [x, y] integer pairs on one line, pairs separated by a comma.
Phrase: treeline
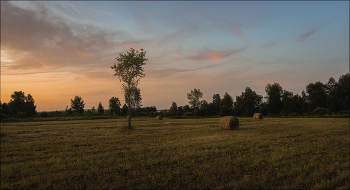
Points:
[[318, 99], [21, 106], [329, 99]]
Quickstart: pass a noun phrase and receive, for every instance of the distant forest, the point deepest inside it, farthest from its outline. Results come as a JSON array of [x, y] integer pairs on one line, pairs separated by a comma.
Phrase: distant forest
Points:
[[318, 99]]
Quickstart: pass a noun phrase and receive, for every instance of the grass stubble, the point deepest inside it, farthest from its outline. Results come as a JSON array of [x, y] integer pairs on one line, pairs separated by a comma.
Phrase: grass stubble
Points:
[[274, 153]]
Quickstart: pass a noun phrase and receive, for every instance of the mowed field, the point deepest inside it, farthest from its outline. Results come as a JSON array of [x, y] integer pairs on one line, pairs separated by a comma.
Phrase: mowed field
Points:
[[274, 153]]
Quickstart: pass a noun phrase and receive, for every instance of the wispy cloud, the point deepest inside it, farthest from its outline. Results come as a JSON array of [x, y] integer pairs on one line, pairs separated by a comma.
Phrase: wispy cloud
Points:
[[216, 56], [230, 26], [270, 44], [309, 33], [47, 42]]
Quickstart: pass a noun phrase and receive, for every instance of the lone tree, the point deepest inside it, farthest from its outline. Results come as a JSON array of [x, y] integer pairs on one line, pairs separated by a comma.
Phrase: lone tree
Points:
[[194, 98], [129, 71]]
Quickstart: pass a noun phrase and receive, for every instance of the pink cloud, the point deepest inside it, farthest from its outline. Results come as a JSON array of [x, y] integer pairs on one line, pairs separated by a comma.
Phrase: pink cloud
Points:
[[207, 55], [213, 55]]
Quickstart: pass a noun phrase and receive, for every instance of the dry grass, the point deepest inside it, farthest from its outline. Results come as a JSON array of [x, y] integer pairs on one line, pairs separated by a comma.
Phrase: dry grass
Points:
[[176, 154]]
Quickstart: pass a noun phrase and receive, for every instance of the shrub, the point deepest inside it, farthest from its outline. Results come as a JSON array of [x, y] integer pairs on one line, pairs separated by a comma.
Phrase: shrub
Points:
[[322, 111], [3, 116], [344, 112], [21, 114], [293, 114], [187, 114], [271, 115], [43, 114], [283, 113]]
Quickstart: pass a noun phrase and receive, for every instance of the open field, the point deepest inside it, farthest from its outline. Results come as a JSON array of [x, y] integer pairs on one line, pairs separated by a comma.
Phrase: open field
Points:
[[281, 153]]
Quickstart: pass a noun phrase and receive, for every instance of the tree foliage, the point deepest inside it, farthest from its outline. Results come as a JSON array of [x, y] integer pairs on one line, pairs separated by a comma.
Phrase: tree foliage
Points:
[[129, 69], [216, 103], [114, 106], [20, 105], [194, 98], [274, 101], [100, 109], [248, 102], [173, 108], [77, 105], [226, 105], [317, 95]]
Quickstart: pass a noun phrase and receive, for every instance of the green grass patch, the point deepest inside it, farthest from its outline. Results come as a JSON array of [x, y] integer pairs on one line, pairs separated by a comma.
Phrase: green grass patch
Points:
[[288, 153]]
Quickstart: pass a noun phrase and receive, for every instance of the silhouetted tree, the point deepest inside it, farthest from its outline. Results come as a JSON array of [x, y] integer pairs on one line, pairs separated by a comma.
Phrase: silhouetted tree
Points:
[[29, 107], [247, 103], [129, 71], [124, 110], [173, 108], [338, 93], [4, 110], [274, 94], [180, 111], [204, 109], [21, 105], [194, 98], [16, 104], [100, 109], [77, 105], [93, 110], [216, 104], [316, 93], [334, 102], [343, 85], [287, 101], [69, 111], [147, 111], [297, 105], [226, 105], [263, 108], [114, 106], [186, 109]]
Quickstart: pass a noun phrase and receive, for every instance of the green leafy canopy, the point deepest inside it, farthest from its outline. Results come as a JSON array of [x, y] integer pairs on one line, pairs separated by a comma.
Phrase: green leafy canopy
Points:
[[129, 68]]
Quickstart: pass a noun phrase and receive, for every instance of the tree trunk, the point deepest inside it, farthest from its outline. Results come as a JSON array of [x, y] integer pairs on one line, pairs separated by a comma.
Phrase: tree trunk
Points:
[[129, 120]]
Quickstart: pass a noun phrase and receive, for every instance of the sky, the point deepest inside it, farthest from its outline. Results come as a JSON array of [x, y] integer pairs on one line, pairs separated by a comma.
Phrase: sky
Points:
[[55, 50]]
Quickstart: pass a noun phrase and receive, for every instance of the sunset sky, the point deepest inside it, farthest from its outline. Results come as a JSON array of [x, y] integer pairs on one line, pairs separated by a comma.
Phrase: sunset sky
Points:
[[56, 50]]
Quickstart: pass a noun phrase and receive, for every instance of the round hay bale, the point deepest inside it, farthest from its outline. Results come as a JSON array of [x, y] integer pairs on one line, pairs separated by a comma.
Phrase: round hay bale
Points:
[[258, 116], [229, 123], [159, 117]]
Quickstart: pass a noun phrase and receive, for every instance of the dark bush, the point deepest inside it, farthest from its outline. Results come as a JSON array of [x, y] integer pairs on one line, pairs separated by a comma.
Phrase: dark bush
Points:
[[187, 114], [322, 111], [43, 114], [271, 115], [293, 114]]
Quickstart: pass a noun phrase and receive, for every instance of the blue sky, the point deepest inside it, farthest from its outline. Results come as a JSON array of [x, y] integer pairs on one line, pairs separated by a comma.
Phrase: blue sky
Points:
[[55, 50]]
